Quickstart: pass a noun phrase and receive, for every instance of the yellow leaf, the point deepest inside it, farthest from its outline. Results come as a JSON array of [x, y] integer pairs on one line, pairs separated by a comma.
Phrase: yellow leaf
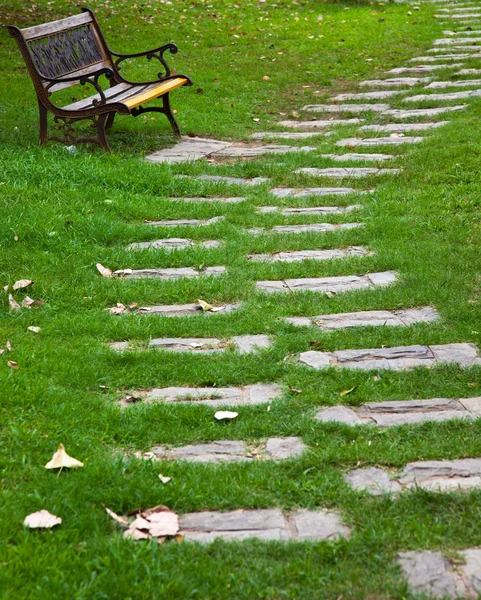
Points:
[[346, 392], [61, 459], [204, 305]]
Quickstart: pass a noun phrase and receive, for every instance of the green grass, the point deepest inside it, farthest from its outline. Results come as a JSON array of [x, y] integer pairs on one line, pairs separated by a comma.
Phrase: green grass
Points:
[[62, 213]]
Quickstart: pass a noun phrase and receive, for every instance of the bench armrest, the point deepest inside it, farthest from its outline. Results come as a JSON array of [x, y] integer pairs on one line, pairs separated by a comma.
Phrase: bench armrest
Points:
[[91, 78], [157, 53]]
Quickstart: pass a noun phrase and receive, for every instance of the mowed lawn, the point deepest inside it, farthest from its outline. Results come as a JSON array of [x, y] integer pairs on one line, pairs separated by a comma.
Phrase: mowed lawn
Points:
[[252, 64]]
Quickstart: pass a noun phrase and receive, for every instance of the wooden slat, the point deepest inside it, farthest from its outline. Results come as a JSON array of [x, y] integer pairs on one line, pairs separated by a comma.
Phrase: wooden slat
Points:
[[157, 91], [118, 93], [55, 26], [79, 73]]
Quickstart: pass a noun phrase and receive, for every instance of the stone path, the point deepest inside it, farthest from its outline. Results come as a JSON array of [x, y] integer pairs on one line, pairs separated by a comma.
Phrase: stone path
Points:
[[170, 273], [379, 141], [318, 124], [395, 82], [242, 343], [346, 172], [308, 210], [334, 285], [173, 244], [187, 222], [346, 108], [318, 227], [402, 127], [444, 97], [298, 255]]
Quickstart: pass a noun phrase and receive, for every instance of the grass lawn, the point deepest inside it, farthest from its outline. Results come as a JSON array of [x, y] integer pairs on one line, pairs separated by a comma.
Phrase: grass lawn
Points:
[[64, 212]]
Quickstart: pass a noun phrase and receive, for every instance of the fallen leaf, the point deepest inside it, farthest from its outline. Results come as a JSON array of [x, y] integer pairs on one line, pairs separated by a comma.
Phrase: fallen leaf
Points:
[[346, 392], [121, 520], [225, 414], [164, 479], [2, 351], [296, 391], [158, 522], [8, 346], [12, 364], [22, 283], [266, 78], [473, 384], [204, 305], [118, 309], [61, 459], [14, 305], [6, 288], [41, 519], [34, 329], [330, 294], [27, 302], [103, 270]]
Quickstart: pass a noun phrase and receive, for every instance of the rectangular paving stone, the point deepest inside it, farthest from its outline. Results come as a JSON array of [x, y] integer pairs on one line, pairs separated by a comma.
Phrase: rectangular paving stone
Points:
[[402, 127], [345, 108], [444, 57], [456, 40], [318, 124], [353, 156], [230, 180], [438, 85], [185, 310], [422, 68], [285, 135], [344, 283], [378, 141], [468, 72], [173, 244], [453, 17], [443, 97], [380, 95], [188, 149], [242, 343], [169, 273], [185, 222], [316, 227], [347, 172], [373, 480], [234, 200], [423, 112], [299, 255], [397, 358], [308, 210], [368, 318], [253, 151], [301, 193], [395, 82], [317, 525], [472, 50]]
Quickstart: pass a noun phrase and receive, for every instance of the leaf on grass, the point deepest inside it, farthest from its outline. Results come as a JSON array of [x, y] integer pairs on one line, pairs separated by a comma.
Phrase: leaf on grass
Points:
[[119, 519], [6, 288], [103, 270], [14, 305], [62, 460], [34, 329], [27, 302], [12, 364], [8, 346], [22, 283], [164, 479], [41, 519], [155, 523], [346, 392], [330, 294], [295, 390], [220, 415], [204, 305], [118, 309]]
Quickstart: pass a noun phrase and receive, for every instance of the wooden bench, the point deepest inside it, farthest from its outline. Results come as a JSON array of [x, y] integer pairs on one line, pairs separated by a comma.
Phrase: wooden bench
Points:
[[73, 51]]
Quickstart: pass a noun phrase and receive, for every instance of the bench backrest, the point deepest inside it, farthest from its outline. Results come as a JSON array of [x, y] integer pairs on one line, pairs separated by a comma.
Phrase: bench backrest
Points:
[[63, 48]]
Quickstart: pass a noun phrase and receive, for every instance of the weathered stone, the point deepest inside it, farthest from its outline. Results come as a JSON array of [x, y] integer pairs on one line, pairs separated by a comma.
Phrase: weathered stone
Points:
[[179, 273], [442, 475], [442, 97], [472, 405], [298, 255], [473, 51], [187, 150], [185, 222], [213, 452], [284, 448], [430, 573], [319, 124], [319, 227], [252, 151], [358, 157], [421, 68], [301, 193], [372, 480], [182, 310], [454, 17], [381, 95], [232, 180], [395, 82], [198, 345], [378, 141], [285, 135], [414, 418], [371, 318], [422, 112], [317, 525], [445, 57], [338, 414], [397, 358], [251, 343], [346, 172], [212, 199], [309, 210], [402, 127], [345, 108], [437, 85], [329, 284], [468, 72], [433, 405], [173, 244], [457, 40]]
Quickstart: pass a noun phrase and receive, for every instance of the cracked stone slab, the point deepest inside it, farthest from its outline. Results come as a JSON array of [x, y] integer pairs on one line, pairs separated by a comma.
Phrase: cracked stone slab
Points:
[[380, 95], [345, 108], [248, 395], [423, 112], [369, 318], [379, 141], [309, 210], [439, 85], [402, 127], [173, 244], [358, 157], [395, 359], [185, 310], [242, 343], [184, 222], [446, 57], [375, 481], [229, 180], [442, 475], [422, 68], [435, 575], [188, 149], [347, 172], [298, 255], [302, 193], [334, 285], [442, 97], [285, 135], [319, 123], [233, 200], [395, 81], [170, 273], [265, 524], [253, 151], [316, 227]]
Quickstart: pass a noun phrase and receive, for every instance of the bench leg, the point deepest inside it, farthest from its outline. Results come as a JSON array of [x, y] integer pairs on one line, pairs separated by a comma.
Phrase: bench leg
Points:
[[101, 137], [168, 113], [43, 123], [110, 121]]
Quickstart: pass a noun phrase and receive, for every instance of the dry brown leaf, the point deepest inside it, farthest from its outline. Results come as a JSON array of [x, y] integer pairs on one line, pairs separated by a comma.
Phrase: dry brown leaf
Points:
[[8, 346], [119, 519], [27, 302], [12, 364], [157, 522], [164, 479], [61, 459], [41, 519], [22, 283], [204, 305], [6, 288], [103, 270], [14, 305], [2, 351], [118, 309], [34, 329]]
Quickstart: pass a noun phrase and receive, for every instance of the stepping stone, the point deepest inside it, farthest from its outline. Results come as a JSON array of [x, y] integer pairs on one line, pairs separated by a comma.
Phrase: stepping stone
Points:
[[422, 112], [446, 57], [375, 481], [186, 150], [173, 244], [394, 359], [403, 412], [345, 108], [264, 524], [395, 81], [457, 40], [179, 273], [212, 199], [242, 343], [290, 135], [381, 95], [358, 157], [471, 49], [379, 141], [437, 85], [368, 318], [436, 576], [310, 210], [442, 475], [185, 310], [229, 180], [402, 127], [295, 256], [442, 97], [454, 17], [349, 172], [318, 227], [253, 151], [301, 193], [319, 124], [469, 72], [186, 222], [422, 68], [230, 451], [333, 285], [260, 393]]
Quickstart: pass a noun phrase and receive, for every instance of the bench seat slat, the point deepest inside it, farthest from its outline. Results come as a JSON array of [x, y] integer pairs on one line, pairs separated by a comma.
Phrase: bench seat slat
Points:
[[157, 91]]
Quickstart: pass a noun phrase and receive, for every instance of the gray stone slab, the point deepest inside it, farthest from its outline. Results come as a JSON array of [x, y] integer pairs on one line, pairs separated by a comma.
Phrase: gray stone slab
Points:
[[239, 536], [472, 405], [309, 210], [456, 40], [233, 200], [236, 520], [395, 82], [422, 112], [439, 85], [346, 172], [444, 57], [329, 284], [285, 135], [185, 222], [251, 343], [198, 345], [173, 244], [473, 51], [434, 472], [213, 452], [454, 17], [317, 525], [298, 255], [253, 151], [338, 414], [402, 127], [319, 124], [232, 180], [345, 108], [284, 448], [187, 150], [171, 273], [375, 481], [380, 95], [301, 193], [468, 72], [444, 97], [185, 310], [431, 573], [401, 407], [397, 358], [352, 156], [414, 418], [316, 227], [392, 140], [370, 318], [422, 68]]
